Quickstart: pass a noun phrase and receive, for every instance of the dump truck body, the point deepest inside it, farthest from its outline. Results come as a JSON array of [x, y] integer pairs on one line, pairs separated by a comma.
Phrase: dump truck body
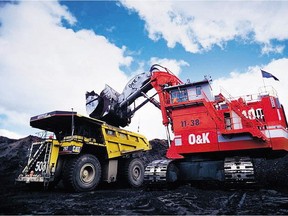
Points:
[[76, 136]]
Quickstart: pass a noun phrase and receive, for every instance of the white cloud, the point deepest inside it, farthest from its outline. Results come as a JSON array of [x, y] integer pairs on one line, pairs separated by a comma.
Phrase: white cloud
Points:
[[172, 64], [269, 48], [249, 81], [148, 121], [10, 134], [45, 66], [198, 26]]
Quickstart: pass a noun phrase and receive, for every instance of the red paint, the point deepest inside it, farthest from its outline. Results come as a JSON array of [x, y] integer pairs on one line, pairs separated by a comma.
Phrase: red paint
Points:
[[203, 123]]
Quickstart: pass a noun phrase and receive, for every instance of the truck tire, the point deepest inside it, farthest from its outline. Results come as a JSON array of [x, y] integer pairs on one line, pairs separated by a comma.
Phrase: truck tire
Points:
[[82, 173], [134, 172]]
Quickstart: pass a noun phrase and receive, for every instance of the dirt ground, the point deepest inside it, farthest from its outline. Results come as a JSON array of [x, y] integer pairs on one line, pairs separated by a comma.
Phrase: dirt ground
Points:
[[184, 200], [112, 199]]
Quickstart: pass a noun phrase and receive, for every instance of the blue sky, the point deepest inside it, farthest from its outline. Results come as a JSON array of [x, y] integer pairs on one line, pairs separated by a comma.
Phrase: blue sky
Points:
[[53, 52], [124, 28]]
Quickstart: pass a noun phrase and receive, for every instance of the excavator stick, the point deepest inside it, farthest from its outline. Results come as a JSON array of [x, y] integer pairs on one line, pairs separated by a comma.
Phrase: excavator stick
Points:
[[113, 107]]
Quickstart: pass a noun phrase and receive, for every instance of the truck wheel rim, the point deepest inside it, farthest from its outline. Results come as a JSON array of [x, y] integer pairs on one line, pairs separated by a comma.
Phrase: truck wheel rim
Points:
[[136, 173], [87, 173]]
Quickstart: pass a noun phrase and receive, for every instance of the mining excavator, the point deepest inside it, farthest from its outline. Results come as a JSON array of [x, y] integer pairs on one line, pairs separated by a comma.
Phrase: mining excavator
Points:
[[216, 137]]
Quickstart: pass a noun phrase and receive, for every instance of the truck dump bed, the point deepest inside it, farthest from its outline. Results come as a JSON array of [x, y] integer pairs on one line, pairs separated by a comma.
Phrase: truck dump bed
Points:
[[70, 125]]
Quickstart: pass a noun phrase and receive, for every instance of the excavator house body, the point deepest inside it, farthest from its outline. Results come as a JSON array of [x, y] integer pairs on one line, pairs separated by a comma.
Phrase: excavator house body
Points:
[[216, 137], [203, 123]]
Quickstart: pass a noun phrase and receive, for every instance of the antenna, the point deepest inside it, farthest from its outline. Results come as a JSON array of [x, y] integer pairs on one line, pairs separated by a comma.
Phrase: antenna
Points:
[[72, 124]]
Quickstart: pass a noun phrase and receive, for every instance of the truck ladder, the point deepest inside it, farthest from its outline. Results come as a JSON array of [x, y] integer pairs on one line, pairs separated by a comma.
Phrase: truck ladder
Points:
[[46, 172], [36, 155]]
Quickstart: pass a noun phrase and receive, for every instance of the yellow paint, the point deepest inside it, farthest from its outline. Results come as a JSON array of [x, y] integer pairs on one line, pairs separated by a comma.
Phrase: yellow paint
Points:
[[117, 141], [54, 154], [120, 142]]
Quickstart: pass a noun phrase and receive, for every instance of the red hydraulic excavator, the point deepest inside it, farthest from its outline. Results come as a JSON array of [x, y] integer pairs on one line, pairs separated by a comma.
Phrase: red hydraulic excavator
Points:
[[216, 137]]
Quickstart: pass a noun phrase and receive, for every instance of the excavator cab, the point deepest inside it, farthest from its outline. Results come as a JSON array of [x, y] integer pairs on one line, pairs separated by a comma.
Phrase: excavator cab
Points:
[[189, 92]]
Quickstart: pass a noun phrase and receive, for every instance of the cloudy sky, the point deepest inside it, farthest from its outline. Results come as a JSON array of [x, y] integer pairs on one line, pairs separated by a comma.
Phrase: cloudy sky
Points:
[[52, 52]]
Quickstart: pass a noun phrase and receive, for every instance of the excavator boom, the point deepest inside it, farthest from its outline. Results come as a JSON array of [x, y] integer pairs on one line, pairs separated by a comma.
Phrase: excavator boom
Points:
[[114, 108]]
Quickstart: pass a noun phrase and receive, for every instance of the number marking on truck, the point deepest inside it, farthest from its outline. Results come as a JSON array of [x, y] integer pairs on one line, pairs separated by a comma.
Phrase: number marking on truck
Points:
[[40, 166]]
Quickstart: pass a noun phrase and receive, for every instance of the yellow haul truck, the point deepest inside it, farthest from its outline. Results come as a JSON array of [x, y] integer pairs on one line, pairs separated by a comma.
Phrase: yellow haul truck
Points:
[[83, 151]]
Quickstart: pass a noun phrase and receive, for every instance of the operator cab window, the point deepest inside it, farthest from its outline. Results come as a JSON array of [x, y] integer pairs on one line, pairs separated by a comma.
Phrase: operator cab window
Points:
[[179, 95], [198, 90]]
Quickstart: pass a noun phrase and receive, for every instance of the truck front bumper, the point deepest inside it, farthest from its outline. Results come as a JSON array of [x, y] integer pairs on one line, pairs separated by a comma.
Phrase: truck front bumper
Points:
[[28, 179]]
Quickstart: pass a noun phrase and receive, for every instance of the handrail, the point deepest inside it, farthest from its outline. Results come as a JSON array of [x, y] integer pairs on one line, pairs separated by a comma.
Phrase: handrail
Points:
[[262, 91]]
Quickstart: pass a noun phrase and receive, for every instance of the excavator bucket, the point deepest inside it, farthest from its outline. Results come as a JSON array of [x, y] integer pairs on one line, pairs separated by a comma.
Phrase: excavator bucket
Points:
[[94, 103], [98, 106], [113, 107], [103, 106]]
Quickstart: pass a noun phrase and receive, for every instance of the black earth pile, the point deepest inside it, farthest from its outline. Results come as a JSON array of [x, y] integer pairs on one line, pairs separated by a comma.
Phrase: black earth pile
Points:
[[186, 199], [272, 172], [159, 147], [13, 155]]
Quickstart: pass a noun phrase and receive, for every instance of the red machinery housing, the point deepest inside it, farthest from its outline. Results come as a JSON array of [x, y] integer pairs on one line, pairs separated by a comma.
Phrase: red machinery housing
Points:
[[202, 122], [216, 137]]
